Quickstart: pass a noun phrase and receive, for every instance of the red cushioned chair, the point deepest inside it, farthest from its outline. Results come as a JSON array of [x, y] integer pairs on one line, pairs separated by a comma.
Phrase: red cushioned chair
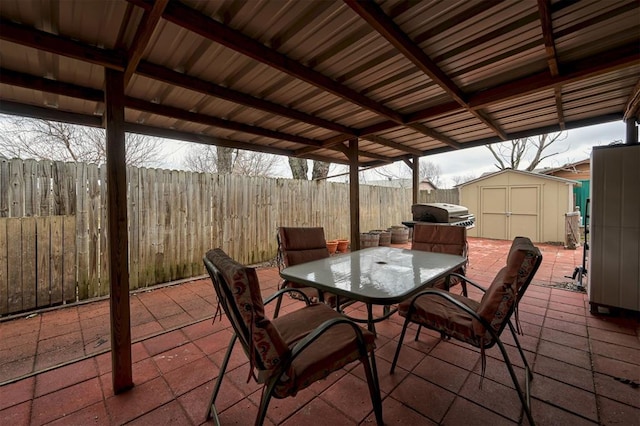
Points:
[[480, 324], [443, 239], [291, 352], [298, 245]]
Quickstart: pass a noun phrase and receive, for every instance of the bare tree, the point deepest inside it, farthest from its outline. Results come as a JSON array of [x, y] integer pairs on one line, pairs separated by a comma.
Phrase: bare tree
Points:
[[510, 155], [22, 137], [457, 180], [428, 170], [211, 159], [201, 159], [251, 163]]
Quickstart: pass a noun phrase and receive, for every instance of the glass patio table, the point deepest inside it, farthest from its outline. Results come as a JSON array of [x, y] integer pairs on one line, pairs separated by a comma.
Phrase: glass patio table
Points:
[[375, 276]]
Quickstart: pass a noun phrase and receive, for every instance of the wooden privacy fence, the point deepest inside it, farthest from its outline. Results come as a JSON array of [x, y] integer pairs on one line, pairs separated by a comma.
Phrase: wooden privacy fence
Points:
[[53, 234]]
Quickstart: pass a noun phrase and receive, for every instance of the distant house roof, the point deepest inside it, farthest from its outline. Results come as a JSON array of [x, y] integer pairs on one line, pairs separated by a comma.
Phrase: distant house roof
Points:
[[567, 167], [401, 183], [522, 172]]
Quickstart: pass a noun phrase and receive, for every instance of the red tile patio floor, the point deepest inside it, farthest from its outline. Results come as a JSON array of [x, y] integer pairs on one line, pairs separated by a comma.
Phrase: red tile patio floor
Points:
[[55, 366]]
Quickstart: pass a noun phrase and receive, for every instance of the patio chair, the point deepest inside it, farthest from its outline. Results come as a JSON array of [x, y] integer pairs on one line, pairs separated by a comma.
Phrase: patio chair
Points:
[[288, 353], [300, 245], [443, 239], [480, 324]]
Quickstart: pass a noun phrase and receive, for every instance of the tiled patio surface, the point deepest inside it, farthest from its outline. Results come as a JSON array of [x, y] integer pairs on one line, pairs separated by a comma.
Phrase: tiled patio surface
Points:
[[586, 367]]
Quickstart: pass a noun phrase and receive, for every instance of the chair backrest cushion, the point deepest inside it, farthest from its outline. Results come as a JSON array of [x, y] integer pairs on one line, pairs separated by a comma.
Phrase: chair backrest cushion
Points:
[[498, 302], [440, 238], [242, 284], [300, 245]]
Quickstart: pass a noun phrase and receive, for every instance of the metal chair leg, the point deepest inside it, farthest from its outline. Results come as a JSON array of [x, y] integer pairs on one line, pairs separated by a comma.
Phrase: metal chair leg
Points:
[[418, 332], [212, 409], [525, 400], [374, 386], [524, 359], [267, 393], [278, 304], [395, 357]]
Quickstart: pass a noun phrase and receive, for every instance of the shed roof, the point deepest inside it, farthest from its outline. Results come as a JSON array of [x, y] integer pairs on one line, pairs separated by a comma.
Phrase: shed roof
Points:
[[300, 78], [520, 172]]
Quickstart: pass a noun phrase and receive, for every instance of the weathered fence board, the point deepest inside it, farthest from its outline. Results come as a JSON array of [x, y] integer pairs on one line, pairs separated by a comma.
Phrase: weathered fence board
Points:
[[31, 193], [450, 196], [14, 264], [4, 187], [69, 259], [103, 237], [94, 204], [82, 232], [4, 264], [56, 276], [43, 271]]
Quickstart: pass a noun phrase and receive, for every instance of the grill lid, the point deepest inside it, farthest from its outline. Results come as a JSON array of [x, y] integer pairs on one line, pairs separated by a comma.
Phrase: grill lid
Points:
[[439, 212]]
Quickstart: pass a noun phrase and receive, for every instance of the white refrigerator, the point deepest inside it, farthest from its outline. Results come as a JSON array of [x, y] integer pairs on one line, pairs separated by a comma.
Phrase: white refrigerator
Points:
[[614, 247]]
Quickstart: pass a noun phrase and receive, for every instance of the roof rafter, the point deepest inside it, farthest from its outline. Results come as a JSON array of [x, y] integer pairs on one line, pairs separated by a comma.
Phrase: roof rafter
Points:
[[610, 60], [544, 9], [44, 113], [29, 81], [204, 139], [384, 25], [633, 104], [48, 42], [195, 117], [166, 75], [143, 35], [391, 144]]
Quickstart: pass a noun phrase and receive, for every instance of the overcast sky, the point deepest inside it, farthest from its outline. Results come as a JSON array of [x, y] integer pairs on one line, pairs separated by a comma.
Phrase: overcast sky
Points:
[[576, 147], [472, 161]]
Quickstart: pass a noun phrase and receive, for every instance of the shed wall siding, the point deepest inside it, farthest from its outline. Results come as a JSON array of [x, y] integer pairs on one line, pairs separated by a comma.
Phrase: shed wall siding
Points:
[[554, 202]]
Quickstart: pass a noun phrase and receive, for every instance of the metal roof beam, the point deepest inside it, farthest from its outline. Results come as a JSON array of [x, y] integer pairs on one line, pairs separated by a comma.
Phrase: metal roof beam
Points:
[[386, 142], [195, 117], [41, 40], [44, 113], [546, 22], [14, 78], [143, 35]]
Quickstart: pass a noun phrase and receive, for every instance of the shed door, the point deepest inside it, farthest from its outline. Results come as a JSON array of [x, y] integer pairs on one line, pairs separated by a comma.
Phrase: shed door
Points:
[[525, 210], [493, 223], [510, 211]]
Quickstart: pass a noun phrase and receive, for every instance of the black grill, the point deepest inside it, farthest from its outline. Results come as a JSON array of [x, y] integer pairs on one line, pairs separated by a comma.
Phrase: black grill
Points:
[[443, 213]]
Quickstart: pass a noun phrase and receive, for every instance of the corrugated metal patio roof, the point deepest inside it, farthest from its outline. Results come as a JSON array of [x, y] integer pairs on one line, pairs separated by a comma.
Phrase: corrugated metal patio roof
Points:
[[300, 78]]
